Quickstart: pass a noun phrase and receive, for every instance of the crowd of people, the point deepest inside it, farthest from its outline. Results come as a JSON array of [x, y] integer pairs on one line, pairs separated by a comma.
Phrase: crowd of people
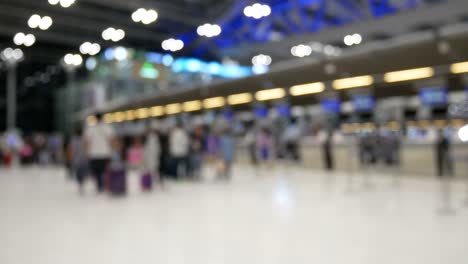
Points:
[[178, 151], [36, 148]]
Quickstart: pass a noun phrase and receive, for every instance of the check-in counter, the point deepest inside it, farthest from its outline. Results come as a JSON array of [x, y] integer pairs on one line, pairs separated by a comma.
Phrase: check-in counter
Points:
[[417, 158]]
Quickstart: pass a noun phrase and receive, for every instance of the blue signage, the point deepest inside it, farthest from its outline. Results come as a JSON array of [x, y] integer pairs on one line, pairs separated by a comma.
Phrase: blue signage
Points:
[[363, 103], [283, 110], [433, 96], [331, 105], [261, 112]]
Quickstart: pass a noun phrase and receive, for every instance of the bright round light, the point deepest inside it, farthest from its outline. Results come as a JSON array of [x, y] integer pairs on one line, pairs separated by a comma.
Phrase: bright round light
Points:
[[85, 48], [209, 30], [172, 44], [18, 54], [19, 38], [77, 60], [29, 40], [66, 3], [357, 39], [463, 133], [107, 34], [261, 59], [348, 40], [54, 2], [257, 11], [118, 35], [34, 21], [301, 50], [152, 15], [45, 23], [137, 16], [248, 12], [68, 59], [120, 53], [95, 49]]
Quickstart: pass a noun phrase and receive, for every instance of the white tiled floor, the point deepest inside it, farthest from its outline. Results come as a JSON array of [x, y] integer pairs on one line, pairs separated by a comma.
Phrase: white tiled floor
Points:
[[287, 215]]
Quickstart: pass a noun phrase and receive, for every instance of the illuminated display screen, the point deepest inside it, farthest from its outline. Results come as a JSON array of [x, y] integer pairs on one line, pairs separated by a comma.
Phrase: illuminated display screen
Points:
[[363, 103], [331, 105], [433, 96]]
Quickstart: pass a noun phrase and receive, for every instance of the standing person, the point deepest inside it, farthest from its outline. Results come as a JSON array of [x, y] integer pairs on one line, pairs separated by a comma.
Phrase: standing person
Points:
[[196, 152], [152, 154], [179, 145], [292, 136], [227, 152], [98, 141], [443, 155], [264, 143], [77, 158], [327, 152], [249, 141]]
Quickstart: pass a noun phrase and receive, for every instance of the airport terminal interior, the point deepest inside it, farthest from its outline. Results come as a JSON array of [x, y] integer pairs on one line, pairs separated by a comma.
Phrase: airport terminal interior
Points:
[[234, 131]]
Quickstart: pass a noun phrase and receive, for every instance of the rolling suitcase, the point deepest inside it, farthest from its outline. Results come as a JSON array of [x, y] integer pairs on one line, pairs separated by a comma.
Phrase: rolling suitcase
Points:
[[117, 182], [146, 181]]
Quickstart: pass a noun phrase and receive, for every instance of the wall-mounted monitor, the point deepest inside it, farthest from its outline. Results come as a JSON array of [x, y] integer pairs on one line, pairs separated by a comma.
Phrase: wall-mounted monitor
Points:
[[363, 103], [330, 105]]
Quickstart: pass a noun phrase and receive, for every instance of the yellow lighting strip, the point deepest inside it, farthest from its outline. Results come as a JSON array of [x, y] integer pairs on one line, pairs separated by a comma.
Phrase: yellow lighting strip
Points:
[[461, 67], [353, 82], [310, 88], [130, 115], [108, 118], [271, 94], [119, 117], [191, 106], [213, 102], [156, 111], [142, 113], [172, 109], [242, 98], [408, 75]]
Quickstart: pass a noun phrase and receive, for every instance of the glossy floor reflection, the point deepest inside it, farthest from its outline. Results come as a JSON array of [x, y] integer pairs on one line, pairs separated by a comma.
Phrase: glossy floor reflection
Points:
[[286, 215]]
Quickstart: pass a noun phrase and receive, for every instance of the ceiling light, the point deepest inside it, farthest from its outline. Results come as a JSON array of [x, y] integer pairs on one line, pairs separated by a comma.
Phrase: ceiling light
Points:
[[192, 106], [156, 111], [353, 82], [73, 59], [301, 50], [242, 98], [407, 75], [144, 16], [29, 40], [310, 88], [257, 11], [213, 102], [354, 39], [261, 59], [34, 21], [209, 30], [461, 67], [54, 2], [19, 38], [12, 55], [119, 117], [66, 3], [113, 34], [172, 109], [172, 44], [270, 94], [45, 23], [90, 48]]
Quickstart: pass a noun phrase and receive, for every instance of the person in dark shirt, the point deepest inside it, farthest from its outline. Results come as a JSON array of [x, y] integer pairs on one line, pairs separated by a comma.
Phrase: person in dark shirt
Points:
[[443, 155]]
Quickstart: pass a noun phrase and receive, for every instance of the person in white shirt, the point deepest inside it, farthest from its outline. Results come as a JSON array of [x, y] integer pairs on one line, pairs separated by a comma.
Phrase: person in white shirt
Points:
[[98, 145], [179, 145]]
